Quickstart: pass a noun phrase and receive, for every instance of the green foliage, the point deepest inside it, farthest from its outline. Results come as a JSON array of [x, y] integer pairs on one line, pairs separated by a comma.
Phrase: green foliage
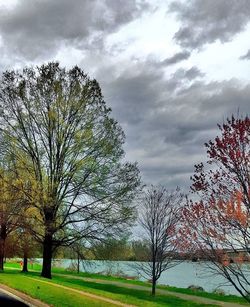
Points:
[[140, 250], [112, 249], [58, 129], [58, 120]]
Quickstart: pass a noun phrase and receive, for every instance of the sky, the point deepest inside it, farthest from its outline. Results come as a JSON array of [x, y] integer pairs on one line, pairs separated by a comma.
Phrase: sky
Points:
[[170, 70]]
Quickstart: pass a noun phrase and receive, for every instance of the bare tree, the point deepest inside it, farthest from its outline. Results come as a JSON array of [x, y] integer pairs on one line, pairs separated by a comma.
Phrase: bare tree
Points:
[[159, 220]]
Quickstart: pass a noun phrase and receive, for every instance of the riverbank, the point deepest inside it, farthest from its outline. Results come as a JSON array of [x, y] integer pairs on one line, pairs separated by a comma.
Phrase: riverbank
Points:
[[72, 289], [181, 276]]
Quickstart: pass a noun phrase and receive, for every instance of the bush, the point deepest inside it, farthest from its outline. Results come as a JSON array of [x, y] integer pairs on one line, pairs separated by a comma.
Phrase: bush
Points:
[[195, 288], [219, 292]]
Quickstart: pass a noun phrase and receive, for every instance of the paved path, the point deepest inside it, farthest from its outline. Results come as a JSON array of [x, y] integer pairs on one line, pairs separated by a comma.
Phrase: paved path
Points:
[[194, 298], [12, 297], [8, 299]]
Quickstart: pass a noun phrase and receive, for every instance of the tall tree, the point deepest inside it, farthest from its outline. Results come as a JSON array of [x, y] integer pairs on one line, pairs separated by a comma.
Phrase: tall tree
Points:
[[159, 216], [59, 127], [218, 223], [12, 206]]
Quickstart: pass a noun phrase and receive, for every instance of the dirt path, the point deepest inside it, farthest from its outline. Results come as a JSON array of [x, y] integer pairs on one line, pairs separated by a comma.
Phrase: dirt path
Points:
[[197, 299], [30, 301], [86, 294]]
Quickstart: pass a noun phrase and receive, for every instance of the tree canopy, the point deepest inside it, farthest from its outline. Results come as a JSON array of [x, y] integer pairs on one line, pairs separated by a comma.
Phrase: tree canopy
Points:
[[218, 223], [56, 126]]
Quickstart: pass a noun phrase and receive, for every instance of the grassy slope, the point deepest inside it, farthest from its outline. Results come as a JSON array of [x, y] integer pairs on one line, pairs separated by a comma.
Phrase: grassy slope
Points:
[[48, 294], [58, 297], [224, 298]]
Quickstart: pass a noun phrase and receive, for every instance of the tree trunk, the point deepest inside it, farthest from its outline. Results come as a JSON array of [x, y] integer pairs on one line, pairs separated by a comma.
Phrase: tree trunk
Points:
[[153, 286], [153, 272], [25, 262], [78, 263], [2, 246], [47, 256]]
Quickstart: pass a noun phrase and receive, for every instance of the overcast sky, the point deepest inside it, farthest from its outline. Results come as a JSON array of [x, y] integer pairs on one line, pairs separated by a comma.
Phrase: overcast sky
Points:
[[170, 70]]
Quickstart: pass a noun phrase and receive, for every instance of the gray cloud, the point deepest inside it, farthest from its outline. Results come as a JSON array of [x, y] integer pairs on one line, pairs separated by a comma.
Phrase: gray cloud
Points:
[[182, 78], [167, 126], [32, 29], [188, 74], [176, 58], [245, 56], [167, 115], [205, 21]]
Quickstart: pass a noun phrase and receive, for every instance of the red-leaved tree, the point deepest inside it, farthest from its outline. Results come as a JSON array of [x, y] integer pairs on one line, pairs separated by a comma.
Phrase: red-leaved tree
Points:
[[217, 225]]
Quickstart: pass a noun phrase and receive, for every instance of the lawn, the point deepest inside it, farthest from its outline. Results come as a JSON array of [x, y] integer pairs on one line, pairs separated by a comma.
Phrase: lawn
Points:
[[214, 296], [131, 296], [46, 293], [33, 285]]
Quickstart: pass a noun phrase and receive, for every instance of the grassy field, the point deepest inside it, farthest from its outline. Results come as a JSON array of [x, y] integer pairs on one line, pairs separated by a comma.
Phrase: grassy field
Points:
[[46, 293], [35, 287], [225, 298]]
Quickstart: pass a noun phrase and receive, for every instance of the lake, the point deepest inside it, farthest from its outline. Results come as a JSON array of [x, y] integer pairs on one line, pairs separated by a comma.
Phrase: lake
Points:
[[183, 275]]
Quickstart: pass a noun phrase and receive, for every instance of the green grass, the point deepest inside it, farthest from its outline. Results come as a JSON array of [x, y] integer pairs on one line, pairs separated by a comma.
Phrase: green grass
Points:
[[125, 295], [224, 298], [214, 296], [47, 293], [16, 265], [60, 297], [114, 290]]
